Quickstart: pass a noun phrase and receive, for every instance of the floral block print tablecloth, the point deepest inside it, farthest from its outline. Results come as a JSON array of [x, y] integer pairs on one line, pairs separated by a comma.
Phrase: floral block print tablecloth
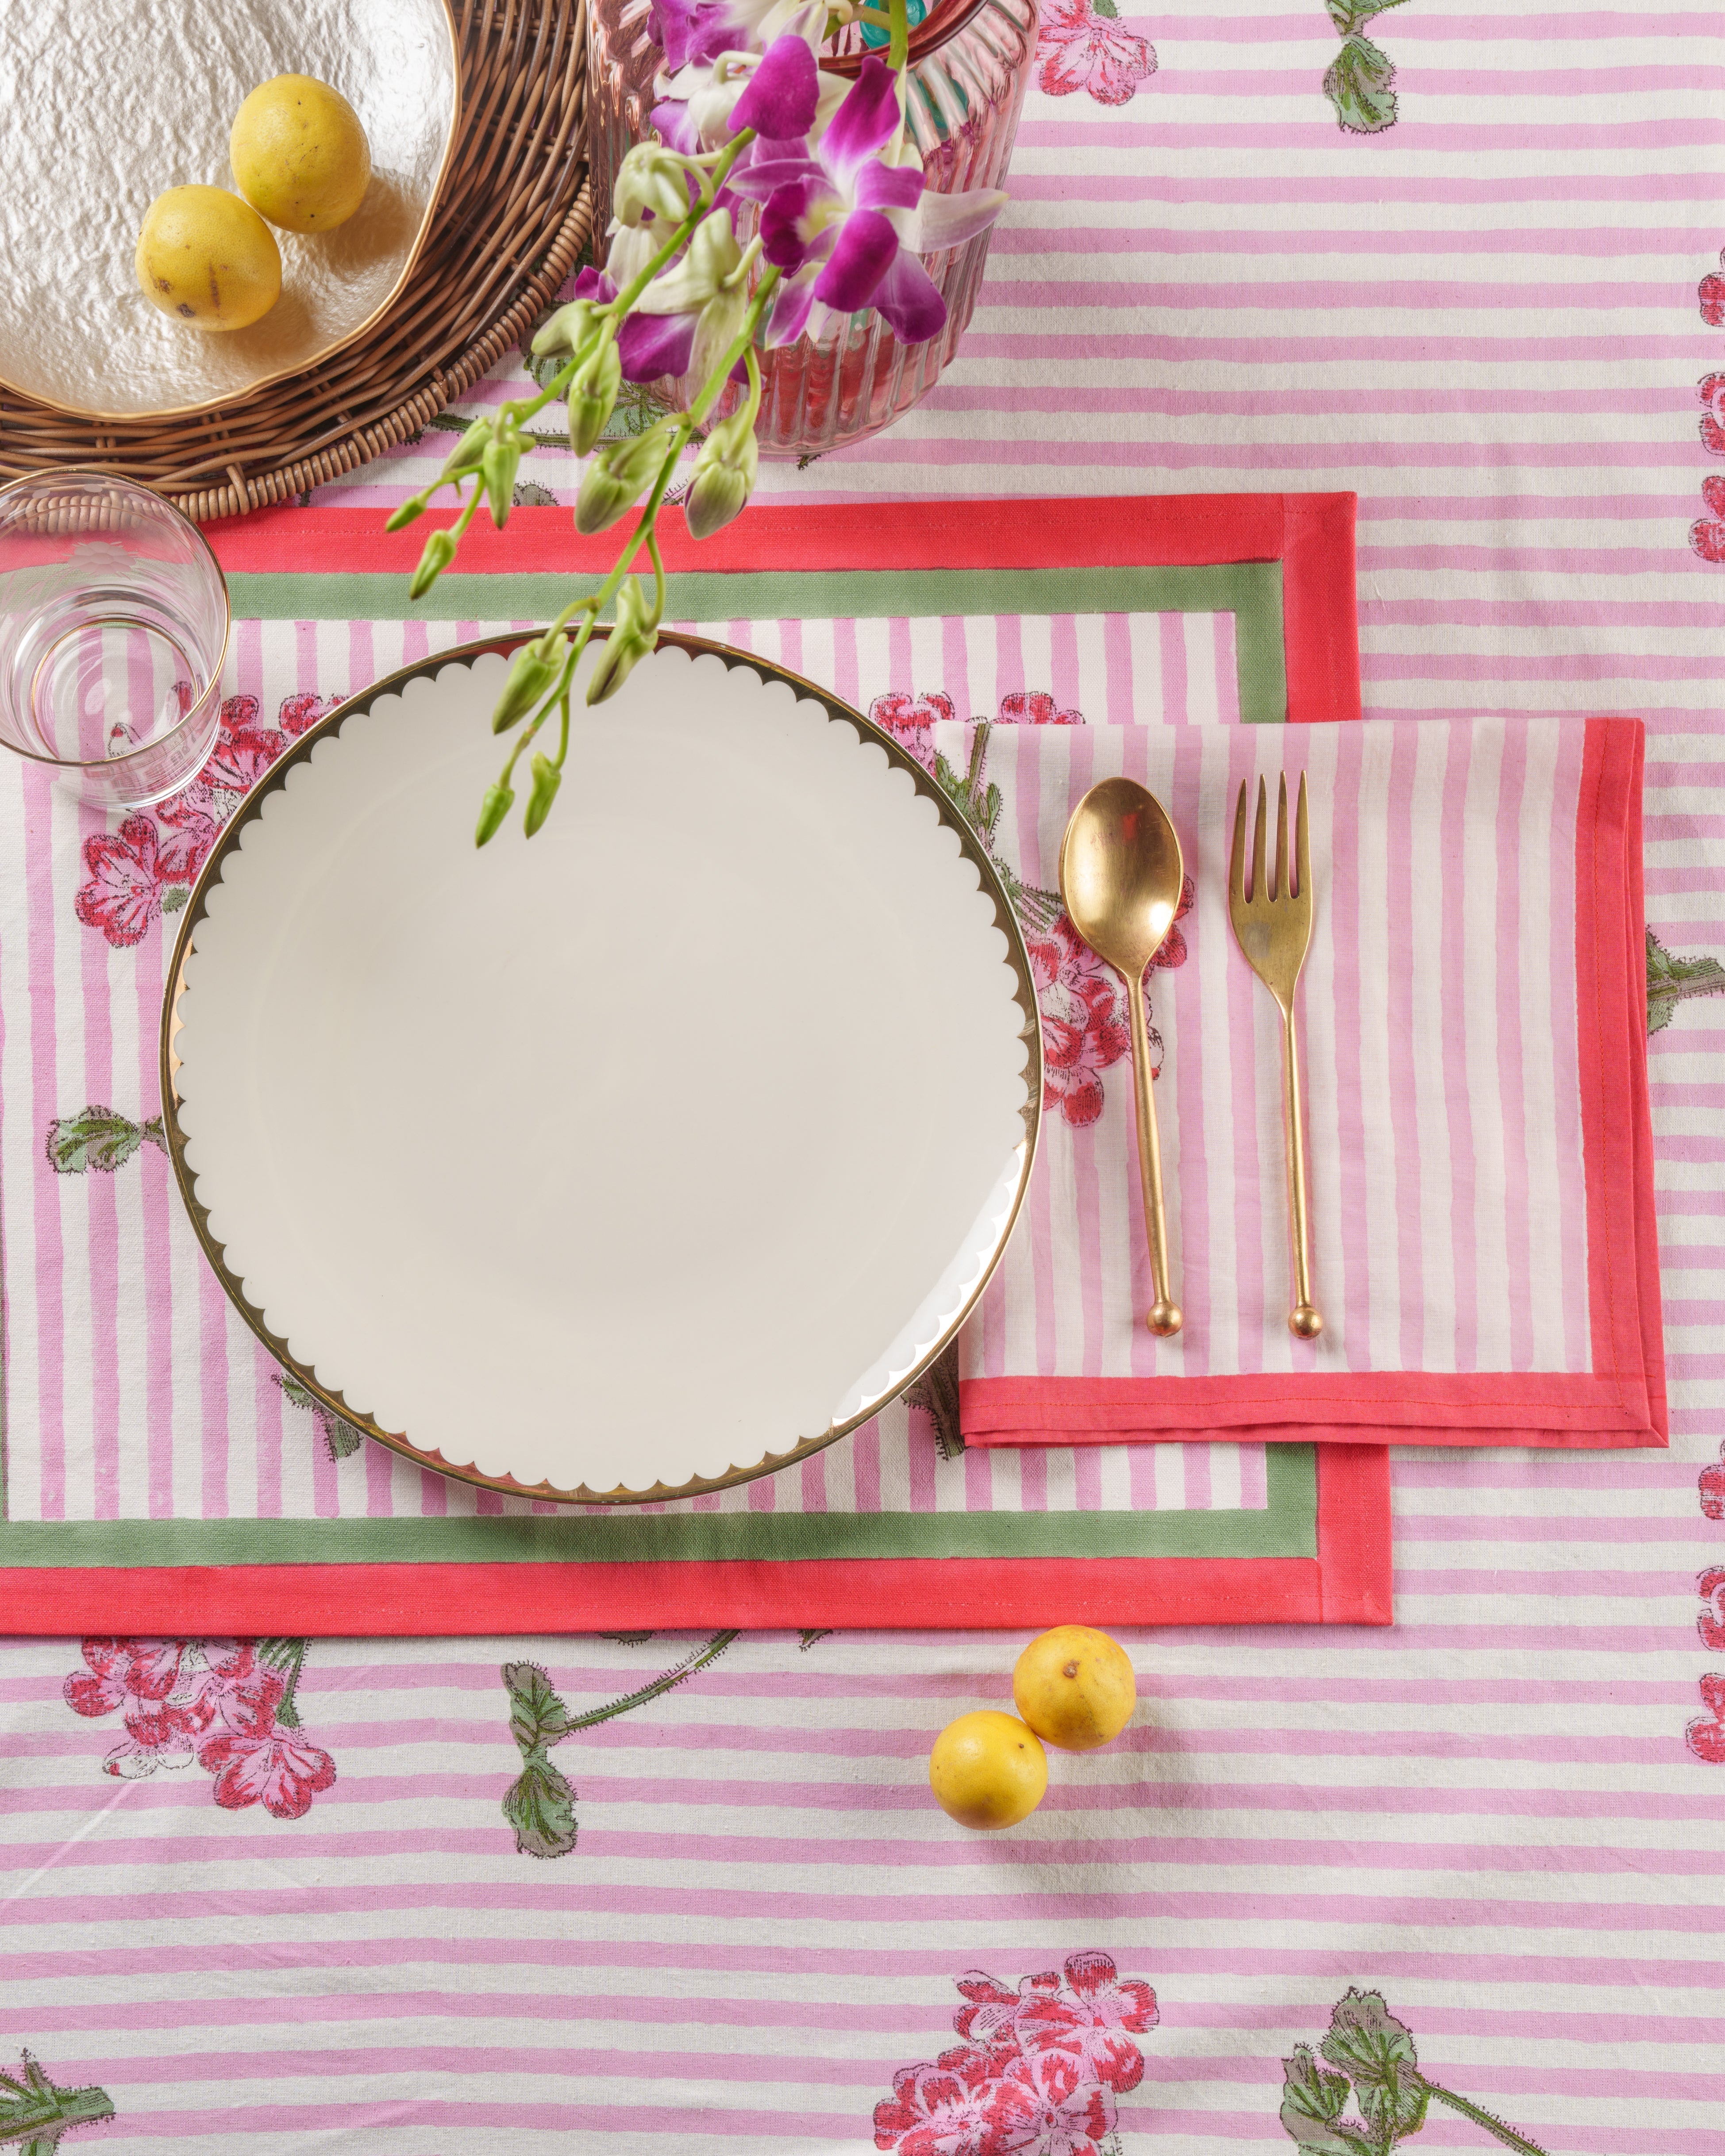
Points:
[[1458, 1880]]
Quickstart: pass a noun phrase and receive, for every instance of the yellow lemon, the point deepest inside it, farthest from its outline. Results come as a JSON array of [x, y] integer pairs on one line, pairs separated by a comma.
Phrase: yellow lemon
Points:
[[1075, 1687], [208, 259], [300, 154], [987, 1770]]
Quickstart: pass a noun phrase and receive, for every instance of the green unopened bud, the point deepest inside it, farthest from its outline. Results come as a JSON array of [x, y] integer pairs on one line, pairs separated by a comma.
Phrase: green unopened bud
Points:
[[716, 329], [547, 780], [618, 477], [501, 462], [412, 507], [725, 474], [630, 640], [593, 396], [499, 800], [530, 678], [469, 452], [569, 329], [439, 552], [651, 178]]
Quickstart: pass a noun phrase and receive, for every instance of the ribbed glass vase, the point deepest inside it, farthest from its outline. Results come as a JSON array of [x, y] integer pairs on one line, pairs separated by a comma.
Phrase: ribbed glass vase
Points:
[[970, 60]]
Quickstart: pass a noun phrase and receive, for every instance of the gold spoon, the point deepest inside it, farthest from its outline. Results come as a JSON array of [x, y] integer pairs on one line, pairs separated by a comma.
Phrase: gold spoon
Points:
[[1121, 875]]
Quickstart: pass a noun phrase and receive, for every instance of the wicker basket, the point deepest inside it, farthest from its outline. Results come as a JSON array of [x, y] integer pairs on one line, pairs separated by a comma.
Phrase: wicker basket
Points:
[[513, 217]]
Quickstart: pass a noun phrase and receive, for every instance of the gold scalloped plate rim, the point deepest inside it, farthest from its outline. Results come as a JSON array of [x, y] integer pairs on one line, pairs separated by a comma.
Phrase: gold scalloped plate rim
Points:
[[140, 414], [971, 849]]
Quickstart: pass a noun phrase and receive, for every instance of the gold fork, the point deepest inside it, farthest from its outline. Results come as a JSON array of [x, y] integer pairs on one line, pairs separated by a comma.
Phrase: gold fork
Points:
[[1272, 924]]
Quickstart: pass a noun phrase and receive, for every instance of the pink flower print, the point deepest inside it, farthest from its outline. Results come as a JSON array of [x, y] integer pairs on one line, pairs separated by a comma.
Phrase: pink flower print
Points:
[[1711, 1587], [940, 2110], [1708, 536], [166, 1711], [1713, 296], [1082, 49], [1706, 1732], [1712, 417], [257, 1760], [1048, 2105], [1084, 1025], [1095, 2019], [121, 1670], [1036, 707], [1713, 1488], [241, 758], [122, 893], [988, 2021], [910, 720], [305, 709]]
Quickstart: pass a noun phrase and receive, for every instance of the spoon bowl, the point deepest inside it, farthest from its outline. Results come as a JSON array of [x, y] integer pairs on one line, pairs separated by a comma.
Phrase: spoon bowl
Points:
[[1120, 874], [1121, 879]]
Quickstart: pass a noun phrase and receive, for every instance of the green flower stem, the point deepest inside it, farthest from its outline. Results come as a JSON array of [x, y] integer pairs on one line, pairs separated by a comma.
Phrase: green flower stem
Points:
[[898, 48], [1495, 2126], [686, 1668], [645, 532]]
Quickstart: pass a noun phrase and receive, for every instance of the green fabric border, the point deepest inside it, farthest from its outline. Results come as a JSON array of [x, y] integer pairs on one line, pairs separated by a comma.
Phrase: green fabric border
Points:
[[1250, 591], [1288, 1528]]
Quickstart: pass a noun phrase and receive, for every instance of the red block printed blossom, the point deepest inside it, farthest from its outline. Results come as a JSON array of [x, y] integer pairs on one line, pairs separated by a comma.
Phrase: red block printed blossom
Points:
[[1711, 1623], [1706, 1732], [910, 719], [1036, 707], [1711, 295], [1706, 536], [1712, 1487], [145, 869], [1085, 1025], [1712, 413], [212, 1700], [1081, 46], [1037, 2073]]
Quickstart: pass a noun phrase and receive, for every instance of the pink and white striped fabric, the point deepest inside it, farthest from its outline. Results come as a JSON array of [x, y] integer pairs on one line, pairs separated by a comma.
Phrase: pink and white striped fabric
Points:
[[1476, 1116]]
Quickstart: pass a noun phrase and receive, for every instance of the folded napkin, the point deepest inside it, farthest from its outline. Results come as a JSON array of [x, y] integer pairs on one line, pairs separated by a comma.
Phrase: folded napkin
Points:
[[1473, 1016]]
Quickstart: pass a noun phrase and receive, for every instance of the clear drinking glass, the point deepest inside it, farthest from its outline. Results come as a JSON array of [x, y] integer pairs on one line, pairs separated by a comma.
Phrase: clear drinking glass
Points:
[[969, 65], [113, 627]]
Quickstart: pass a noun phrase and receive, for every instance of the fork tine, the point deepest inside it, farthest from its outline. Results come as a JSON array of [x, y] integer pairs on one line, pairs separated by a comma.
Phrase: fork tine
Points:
[[1302, 851], [1282, 839], [1237, 866], [1259, 890]]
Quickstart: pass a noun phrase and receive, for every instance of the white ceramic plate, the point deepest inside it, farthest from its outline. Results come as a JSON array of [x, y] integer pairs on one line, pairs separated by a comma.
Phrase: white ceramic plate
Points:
[[632, 1159], [109, 103]]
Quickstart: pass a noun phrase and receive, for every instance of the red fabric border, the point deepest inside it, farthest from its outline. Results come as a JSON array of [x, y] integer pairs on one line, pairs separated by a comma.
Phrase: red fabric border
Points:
[[1312, 536], [1349, 1583]]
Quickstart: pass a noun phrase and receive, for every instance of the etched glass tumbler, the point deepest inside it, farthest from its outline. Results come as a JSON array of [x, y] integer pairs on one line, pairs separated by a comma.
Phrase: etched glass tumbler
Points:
[[114, 624], [970, 62]]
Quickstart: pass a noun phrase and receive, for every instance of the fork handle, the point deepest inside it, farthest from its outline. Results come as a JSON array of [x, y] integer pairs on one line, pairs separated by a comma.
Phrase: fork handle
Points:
[[1305, 1320], [1164, 1317]]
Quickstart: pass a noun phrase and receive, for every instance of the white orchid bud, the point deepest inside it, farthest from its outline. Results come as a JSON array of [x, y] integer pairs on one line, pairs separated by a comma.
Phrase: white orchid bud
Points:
[[713, 254], [651, 178]]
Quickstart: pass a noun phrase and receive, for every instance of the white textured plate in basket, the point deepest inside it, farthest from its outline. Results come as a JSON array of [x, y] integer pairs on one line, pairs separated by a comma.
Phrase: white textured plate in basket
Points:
[[624, 1161]]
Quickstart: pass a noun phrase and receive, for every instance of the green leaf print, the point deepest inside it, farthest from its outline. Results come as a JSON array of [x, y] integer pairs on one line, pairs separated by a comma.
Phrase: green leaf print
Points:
[[35, 2113], [1348, 15], [288, 1658], [1671, 979], [1381, 2072], [1312, 2102], [1367, 2041], [1357, 84], [537, 1716], [540, 1806], [340, 1439], [99, 1138]]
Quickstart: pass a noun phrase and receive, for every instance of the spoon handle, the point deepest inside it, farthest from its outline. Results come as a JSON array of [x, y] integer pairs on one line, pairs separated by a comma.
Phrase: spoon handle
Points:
[[1164, 1317]]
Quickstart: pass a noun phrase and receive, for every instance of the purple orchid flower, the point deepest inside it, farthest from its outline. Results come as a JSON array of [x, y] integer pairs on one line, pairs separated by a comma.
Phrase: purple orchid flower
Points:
[[777, 93], [846, 225], [694, 30], [647, 346]]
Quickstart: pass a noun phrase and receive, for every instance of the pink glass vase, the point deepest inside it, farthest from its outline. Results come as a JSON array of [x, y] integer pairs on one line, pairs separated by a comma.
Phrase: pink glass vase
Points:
[[970, 60]]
